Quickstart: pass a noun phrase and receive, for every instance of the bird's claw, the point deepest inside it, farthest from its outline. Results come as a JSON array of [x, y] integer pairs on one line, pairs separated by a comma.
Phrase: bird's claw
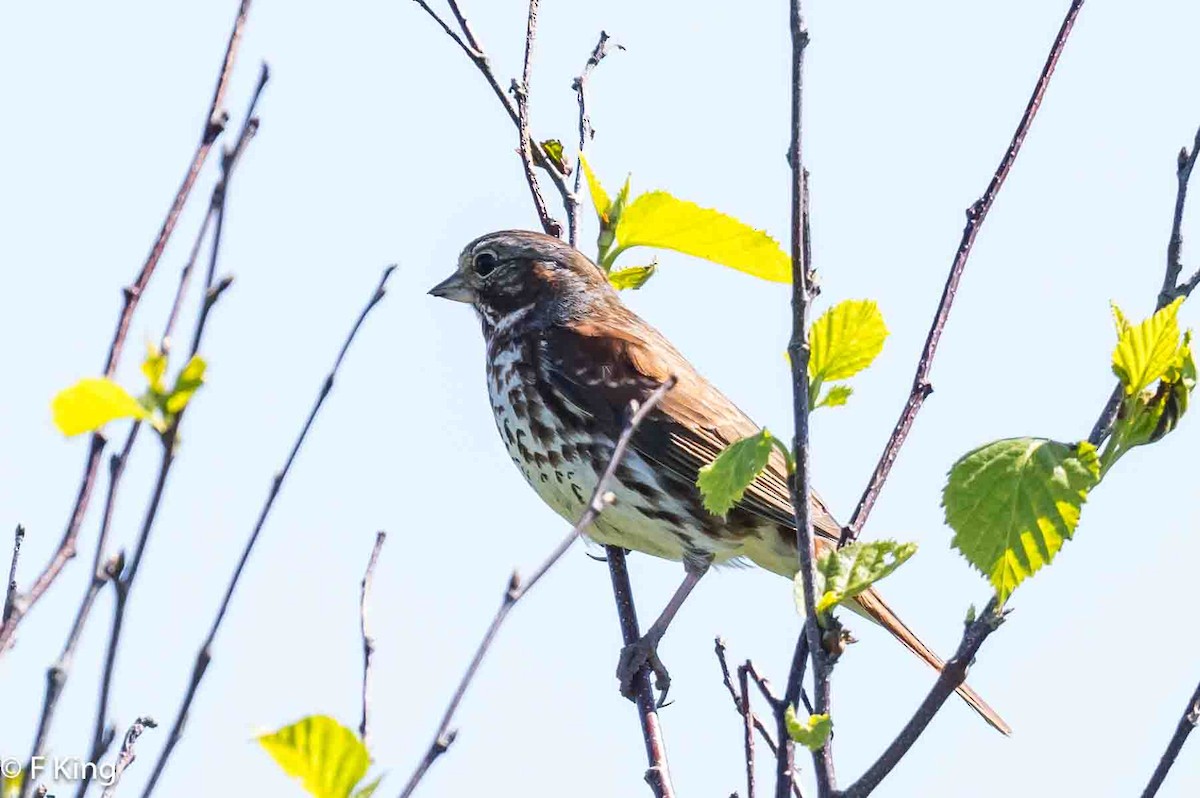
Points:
[[636, 656]]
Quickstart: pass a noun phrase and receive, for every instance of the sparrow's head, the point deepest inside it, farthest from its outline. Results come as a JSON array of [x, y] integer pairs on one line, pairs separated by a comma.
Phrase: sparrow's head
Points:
[[517, 274]]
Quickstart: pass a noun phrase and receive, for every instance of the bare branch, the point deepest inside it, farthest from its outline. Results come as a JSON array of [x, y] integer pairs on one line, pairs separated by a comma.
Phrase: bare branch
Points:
[[474, 50], [126, 756], [10, 593], [1191, 717], [516, 589], [748, 728], [521, 92], [368, 638], [658, 774], [204, 655], [921, 388], [953, 674], [586, 132], [214, 124], [727, 680]]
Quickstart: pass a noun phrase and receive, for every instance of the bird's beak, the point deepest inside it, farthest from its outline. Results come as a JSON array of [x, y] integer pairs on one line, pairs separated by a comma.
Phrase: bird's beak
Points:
[[454, 288]]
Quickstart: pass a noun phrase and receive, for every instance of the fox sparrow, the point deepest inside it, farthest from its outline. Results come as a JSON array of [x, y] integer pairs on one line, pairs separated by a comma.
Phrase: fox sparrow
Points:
[[564, 359]]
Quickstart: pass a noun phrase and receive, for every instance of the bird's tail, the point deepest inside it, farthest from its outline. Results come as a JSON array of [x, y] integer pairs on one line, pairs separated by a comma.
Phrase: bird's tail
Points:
[[870, 605]]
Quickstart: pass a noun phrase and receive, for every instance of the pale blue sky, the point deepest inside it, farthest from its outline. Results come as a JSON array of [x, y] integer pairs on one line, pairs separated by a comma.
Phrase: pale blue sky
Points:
[[381, 143]]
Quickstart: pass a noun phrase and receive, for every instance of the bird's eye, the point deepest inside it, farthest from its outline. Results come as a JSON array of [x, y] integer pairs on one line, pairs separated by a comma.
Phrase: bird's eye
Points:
[[485, 263]]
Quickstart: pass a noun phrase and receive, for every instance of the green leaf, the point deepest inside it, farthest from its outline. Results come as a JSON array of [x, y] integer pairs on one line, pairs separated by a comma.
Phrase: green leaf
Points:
[[836, 396], [368, 789], [186, 384], [155, 368], [324, 755], [1119, 319], [91, 403], [554, 151], [633, 277], [1013, 502], [10, 784], [657, 219], [600, 199], [811, 733], [723, 482], [844, 573], [844, 340], [1146, 351]]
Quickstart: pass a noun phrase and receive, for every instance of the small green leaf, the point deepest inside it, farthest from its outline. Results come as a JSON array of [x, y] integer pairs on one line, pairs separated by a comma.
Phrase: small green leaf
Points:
[[811, 733], [836, 396], [971, 612], [843, 573], [1013, 502], [1119, 320], [657, 219], [600, 199], [327, 758], [10, 784], [632, 277], [91, 403], [186, 384], [554, 151], [844, 340], [368, 789], [155, 368], [723, 482], [1146, 351]]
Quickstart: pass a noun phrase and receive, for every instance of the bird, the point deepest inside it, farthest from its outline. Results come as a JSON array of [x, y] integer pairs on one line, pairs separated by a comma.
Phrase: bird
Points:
[[564, 359]]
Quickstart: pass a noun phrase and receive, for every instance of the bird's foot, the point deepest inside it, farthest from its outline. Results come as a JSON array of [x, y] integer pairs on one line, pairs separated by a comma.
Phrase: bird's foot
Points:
[[636, 656]]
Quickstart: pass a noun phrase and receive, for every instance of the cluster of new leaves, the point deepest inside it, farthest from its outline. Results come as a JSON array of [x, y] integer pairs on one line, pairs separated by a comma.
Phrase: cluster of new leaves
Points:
[[329, 760], [811, 733], [1012, 503], [92, 402], [659, 220]]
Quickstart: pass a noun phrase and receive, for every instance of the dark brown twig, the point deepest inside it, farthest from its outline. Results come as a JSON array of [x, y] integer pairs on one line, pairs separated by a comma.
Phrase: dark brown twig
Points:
[[727, 680], [10, 593], [953, 674], [658, 774], [471, 46], [1187, 723], [586, 132], [204, 655], [517, 588], [921, 387], [521, 92], [123, 582], [799, 482], [214, 124], [747, 727], [368, 638], [126, 756]]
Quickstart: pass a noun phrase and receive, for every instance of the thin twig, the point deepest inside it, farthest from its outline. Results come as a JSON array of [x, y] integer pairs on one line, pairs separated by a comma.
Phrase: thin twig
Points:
[[521, 92], [517, 588], [586, 131], [204, 655], [727, 680], [10, 593], [473, 49], [1171, 288], [124, 582], [747, 728], [126, 756], [1191, 717], [214, 124], [953, 674], [785, 756], [799, 482], [658, 774], [921, 387], [368, 638]]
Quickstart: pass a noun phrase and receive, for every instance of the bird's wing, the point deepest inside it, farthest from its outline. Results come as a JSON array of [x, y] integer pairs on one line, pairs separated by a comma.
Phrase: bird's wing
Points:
[[599, 367]]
